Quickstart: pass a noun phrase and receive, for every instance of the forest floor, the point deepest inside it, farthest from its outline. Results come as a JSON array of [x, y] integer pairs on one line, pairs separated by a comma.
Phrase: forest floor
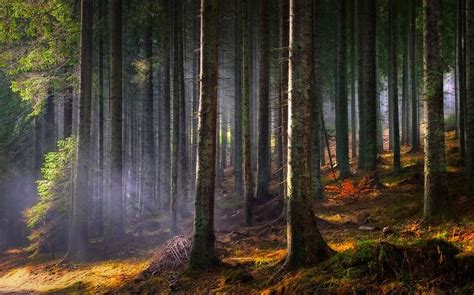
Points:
[[383, 245]]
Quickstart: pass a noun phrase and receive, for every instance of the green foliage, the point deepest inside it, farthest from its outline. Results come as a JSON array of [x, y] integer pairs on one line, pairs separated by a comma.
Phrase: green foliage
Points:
[[39, 42], [48, 218]]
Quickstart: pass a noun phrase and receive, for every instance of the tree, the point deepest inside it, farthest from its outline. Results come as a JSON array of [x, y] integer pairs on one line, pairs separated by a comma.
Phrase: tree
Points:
[[247, 147], [342, 132], [263, 157], [115, 226], [238, 145], [77, 246], [149, 148], [461, 59], [436, 201], [203, 253], [415, 128], [305, 243], [470, 93], [283, 95], [393, 82], [369, 86]]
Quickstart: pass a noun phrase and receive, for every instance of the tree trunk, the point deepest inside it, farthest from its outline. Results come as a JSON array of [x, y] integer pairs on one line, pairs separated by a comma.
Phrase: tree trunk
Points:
[[316, 103], [148, 178], [470, 93], [49, 144], [342, 132], [116, 221], [393, 82], [360, 81], [77, 248], [415, 128], [283, 96], [461, 46], [246, 133], [263, 157], [175, 126], [166, 108], [353, 25], [436, 190], [369, 86], [305, 243], [203, 253], [238, 155]]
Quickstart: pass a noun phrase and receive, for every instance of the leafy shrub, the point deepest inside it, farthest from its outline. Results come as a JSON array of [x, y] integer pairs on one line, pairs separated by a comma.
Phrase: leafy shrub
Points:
[[48, 218]]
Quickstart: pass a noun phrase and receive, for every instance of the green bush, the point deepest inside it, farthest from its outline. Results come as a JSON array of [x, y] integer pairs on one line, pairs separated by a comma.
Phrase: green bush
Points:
[[48, 218]]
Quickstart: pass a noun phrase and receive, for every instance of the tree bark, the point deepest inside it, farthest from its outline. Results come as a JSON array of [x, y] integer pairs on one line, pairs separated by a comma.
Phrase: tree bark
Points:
[[436, 202], [263, 157], [470, 93], [393, 82], [415, 128], [305, 243], [203, 249], [77, 246], [238, 145], [342, 132], [115, 225], [246, 133]]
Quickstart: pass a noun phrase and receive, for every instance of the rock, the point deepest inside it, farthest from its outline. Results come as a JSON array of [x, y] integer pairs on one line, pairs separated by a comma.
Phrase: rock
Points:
[[387, 231]]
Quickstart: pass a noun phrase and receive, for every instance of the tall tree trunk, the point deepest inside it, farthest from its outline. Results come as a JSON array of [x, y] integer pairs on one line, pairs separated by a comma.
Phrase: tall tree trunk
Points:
[[405, 118], [283, 20], [393, 81], [203, 253], [316, 104], [360, 83], [175, 126], [166, 107], [353, 25], [115, 227], [342, 132], [461, 46], [183, 143], [77, 246], [436, 190], [415, 128], [263, 157], [369, 86], [470, 93], [246, 133], [305, 243], [238, 145], [149, 145]]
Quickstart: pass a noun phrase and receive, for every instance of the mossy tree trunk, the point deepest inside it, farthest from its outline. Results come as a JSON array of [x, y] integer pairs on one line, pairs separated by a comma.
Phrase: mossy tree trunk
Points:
[[305, 243], [203, 249], [436, 203], [77, 246]]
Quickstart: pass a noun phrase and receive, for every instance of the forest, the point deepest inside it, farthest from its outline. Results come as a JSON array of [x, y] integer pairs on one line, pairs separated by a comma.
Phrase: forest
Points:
[[237, 146]]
